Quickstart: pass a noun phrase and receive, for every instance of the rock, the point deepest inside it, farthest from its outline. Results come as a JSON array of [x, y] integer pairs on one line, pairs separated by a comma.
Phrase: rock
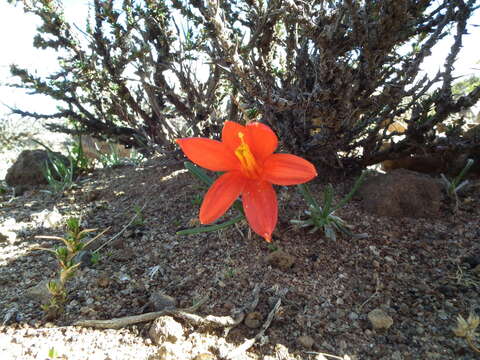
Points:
[[281, 259], [12, 315], [84, 257], [164, 329], [93, 195], [401, 193], [124, 255], [306, 341], [3, 238], [48, 218], [397, 355], [28, 170], [39, 292], [404, 309], [353, 316], [473, 260], [380, 319], [103, 281], [160, 301], [476, 270], [253, 320]]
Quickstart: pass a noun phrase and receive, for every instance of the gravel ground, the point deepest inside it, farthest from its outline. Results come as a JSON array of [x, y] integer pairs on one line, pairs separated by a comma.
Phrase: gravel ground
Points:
[[418, 274]]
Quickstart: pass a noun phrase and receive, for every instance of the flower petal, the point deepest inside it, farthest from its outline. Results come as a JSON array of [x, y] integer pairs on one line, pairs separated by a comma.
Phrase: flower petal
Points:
[[230, 134], [210, 154], [260, 205], [287, 169], [221, 196], [261, 139]]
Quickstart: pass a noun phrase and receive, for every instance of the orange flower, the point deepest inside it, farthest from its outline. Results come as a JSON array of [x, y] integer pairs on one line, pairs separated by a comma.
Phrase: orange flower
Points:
[[246, 155]]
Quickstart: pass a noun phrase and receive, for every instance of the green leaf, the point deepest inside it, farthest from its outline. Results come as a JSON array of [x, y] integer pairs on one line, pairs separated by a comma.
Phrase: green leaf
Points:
[[203, 229], [198, 172]]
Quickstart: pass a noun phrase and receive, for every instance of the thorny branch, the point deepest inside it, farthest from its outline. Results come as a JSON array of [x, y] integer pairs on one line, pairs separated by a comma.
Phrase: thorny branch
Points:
[[331, 78]]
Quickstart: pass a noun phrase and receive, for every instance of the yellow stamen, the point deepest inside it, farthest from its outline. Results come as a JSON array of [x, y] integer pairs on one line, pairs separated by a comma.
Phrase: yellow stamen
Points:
[[243, 153]]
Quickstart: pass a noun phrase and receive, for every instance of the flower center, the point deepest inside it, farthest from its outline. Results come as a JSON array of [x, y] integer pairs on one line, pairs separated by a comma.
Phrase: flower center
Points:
[[247, 160]]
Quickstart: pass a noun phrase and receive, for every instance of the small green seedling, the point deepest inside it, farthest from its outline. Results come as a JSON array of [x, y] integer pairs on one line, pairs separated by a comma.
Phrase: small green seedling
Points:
[[197, 200], [230, 273], [52, 353], [73, 243], [323, 217], [95, 258], [272, 247]]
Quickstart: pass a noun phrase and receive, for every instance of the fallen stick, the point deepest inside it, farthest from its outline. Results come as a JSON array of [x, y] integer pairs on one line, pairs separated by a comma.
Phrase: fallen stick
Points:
[[186, 314], [119, 323]]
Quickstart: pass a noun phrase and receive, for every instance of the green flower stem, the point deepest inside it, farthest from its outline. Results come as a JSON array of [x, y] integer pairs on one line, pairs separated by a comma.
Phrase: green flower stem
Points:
[[349, 196], [212, 227], [199, 173]]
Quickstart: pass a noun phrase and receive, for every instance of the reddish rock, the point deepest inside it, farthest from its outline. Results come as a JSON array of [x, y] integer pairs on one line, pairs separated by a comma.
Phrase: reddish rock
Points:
[[401, 193]]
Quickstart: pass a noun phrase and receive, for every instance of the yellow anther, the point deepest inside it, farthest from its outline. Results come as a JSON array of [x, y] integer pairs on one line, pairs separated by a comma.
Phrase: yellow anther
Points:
[[247, 160]]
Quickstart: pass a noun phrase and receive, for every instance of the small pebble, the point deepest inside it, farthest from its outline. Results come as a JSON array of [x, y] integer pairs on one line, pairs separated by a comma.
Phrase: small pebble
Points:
[[306, 341], [353, 316], [103, 281], [253, 320], [160, 301], [380, 319]]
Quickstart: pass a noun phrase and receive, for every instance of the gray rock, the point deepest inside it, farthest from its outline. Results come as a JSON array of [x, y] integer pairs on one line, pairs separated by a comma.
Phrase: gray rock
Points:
[[84, 257], [12, 315], [353, 316], [160, 301], [28, 170], [397, 355], [48, 218], [39, 293], [380, 319], [401, 193], [165, 329]]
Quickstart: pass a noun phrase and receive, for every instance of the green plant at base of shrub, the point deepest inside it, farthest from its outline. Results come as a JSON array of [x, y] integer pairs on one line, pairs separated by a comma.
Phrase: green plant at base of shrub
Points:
[[80, 160], [60, 176], [322, 217], [111, 159], [453, 187]]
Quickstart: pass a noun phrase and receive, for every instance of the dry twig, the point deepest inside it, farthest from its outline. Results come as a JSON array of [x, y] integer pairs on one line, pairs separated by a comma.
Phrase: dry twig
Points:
[[119, 323]]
